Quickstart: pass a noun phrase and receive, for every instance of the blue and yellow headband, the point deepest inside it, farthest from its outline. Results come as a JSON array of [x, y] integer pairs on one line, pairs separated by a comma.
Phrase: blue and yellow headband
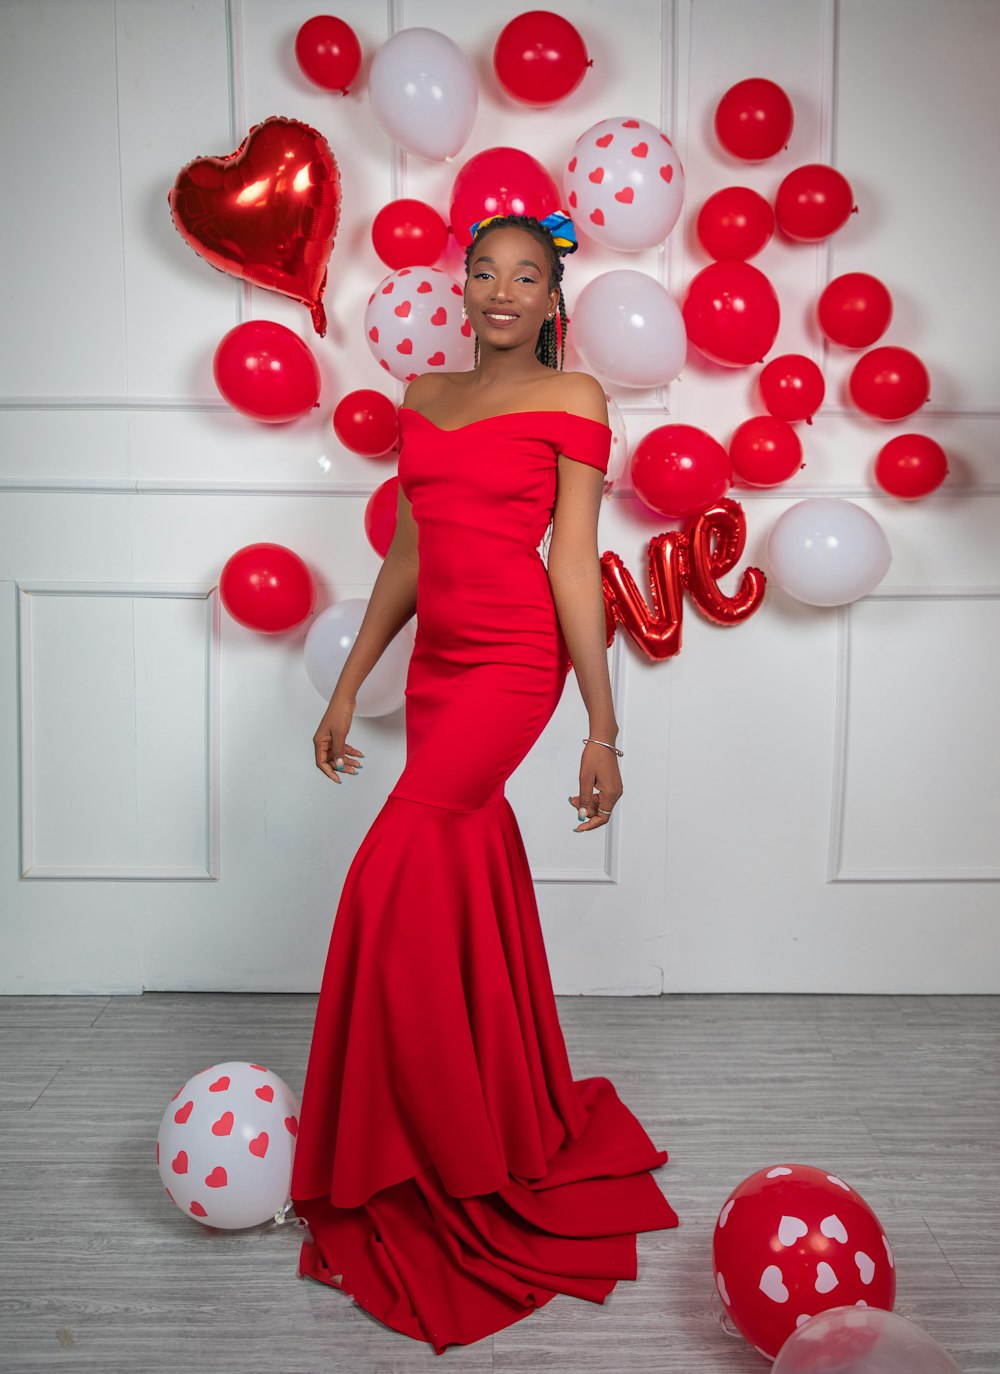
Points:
[[559, 225]]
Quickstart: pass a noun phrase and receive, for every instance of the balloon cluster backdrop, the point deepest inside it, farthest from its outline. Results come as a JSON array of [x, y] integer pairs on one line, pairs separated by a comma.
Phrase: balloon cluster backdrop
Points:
[[793, 1244], [269, 213]]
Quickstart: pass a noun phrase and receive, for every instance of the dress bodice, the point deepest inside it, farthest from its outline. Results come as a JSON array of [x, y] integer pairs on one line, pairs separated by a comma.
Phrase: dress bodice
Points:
[[495, 477]]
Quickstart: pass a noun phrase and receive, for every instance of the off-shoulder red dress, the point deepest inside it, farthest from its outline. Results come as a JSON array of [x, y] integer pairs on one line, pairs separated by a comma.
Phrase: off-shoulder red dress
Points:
[[452, 1173]]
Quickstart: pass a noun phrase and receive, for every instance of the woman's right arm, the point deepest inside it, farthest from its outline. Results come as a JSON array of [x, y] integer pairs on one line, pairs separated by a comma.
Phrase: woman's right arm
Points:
[[392, 603]]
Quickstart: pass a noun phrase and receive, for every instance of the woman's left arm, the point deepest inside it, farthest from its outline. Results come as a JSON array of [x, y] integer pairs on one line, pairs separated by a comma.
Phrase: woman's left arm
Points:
[[574, 571]]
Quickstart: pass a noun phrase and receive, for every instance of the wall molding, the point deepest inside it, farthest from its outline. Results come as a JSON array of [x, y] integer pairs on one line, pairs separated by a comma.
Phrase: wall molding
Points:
[[836, 871], [27, 593]]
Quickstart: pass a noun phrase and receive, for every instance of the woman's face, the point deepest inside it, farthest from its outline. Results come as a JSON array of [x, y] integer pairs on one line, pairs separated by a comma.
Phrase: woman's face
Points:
[[507, 292]]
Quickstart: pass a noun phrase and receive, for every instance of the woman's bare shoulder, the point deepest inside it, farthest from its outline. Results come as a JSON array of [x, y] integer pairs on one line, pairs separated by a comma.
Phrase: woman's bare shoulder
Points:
[[425, 389], [581, 394]]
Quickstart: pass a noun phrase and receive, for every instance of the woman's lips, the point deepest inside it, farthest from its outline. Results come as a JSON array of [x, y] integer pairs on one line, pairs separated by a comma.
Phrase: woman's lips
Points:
[[500, 324]]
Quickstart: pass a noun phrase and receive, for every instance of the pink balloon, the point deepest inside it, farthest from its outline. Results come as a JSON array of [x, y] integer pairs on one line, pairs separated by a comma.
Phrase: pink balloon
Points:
[[500, 181]]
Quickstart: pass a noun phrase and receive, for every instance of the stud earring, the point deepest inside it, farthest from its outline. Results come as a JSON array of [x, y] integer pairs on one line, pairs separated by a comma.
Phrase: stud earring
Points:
[[465, 313]]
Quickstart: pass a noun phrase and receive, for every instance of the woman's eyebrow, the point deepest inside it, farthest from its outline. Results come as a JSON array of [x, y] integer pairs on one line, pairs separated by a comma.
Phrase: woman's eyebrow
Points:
[[521, 262]]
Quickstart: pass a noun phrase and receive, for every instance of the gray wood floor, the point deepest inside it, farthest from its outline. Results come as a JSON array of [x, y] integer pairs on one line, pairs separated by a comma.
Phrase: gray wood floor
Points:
[[98, 1270]]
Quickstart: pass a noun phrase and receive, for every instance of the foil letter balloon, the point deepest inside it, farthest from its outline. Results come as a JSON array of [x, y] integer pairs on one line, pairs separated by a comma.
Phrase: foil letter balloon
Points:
[[715, 545], [268, 212], [657, 631]]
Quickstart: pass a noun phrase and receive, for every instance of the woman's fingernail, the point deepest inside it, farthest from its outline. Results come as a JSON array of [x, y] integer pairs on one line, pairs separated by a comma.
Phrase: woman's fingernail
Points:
[[582, 814]]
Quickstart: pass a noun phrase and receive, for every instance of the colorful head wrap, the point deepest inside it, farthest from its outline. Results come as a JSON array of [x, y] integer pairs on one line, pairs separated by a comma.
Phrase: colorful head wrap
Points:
[[559, 225]]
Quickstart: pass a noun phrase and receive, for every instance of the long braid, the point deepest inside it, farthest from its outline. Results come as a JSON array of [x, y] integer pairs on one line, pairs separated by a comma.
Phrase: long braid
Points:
[[550, 347]]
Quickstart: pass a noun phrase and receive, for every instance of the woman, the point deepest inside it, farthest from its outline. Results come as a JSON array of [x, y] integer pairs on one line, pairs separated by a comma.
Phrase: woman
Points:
[[452, 1173]]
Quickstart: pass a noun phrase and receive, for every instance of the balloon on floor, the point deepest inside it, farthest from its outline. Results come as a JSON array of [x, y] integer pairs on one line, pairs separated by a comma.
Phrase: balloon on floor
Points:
[[792, 1240], [226, 1144], [862, 1340]]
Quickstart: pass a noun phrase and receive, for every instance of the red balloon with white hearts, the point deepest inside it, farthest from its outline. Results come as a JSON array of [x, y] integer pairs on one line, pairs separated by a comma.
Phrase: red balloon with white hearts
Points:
[[226, 1145], [414, 324], [624, 184], [792, 1241]]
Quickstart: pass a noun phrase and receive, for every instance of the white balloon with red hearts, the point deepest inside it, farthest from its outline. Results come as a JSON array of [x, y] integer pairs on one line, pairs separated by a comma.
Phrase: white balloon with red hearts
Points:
[[414, 324], [226, 1144], [618, 458], [624, 184]]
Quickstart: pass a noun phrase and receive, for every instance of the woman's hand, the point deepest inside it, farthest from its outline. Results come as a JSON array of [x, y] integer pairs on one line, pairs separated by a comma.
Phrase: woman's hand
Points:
[[330, 740], [600, 787]]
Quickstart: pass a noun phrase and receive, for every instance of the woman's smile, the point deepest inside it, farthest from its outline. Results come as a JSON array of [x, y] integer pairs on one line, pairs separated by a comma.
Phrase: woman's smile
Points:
[[501, 318]]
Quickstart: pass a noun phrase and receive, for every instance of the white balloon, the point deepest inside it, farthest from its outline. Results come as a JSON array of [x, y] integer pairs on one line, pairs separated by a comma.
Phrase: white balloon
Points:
[[226, 1144], [424, 94], [624, 184], [629, 330], [330, 639], [862, 1340], [618, 459], [413, 324], [827, 551]]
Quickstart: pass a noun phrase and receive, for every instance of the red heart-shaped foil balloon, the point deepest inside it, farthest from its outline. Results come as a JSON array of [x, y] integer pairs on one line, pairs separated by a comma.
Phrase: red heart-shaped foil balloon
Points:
[[268, 212]]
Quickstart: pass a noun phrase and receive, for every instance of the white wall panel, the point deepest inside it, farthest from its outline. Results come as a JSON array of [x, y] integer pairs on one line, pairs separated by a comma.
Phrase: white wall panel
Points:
[[117, 699], [918, 107], [921, 765], [61, 231], [173, 105]]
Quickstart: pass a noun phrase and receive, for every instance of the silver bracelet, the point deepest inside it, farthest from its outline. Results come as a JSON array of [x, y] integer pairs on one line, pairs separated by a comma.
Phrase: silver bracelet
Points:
[[619, 752]]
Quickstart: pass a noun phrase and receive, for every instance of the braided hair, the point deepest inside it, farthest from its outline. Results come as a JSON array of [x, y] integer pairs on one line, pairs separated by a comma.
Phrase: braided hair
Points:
[[550, 347]]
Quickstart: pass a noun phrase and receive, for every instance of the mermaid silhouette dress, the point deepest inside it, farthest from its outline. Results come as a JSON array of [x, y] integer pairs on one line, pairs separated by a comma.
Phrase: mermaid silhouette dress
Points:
[[452, 1173]]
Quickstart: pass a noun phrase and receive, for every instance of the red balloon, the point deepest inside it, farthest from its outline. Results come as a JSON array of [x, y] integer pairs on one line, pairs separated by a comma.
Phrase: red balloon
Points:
[[715, 545], [266, 371], [267, 587], [854, 310], [765, 451], [679, 470], [792, 387], [408, 233], [267, 213], [731, 313], [367, 422], [500, 181], [754, 118], [792, 1241], [889, 383], [735, 223], [328, 52], [539, 58], [911, 466], [380, 515], [813, 202]]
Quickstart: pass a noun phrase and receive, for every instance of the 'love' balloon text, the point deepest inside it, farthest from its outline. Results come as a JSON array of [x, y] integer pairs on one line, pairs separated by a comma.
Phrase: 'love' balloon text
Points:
[[691, 560]]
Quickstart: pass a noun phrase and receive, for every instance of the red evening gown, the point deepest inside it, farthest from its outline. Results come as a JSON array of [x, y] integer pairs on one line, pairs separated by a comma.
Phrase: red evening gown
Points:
[[452, 1174]]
